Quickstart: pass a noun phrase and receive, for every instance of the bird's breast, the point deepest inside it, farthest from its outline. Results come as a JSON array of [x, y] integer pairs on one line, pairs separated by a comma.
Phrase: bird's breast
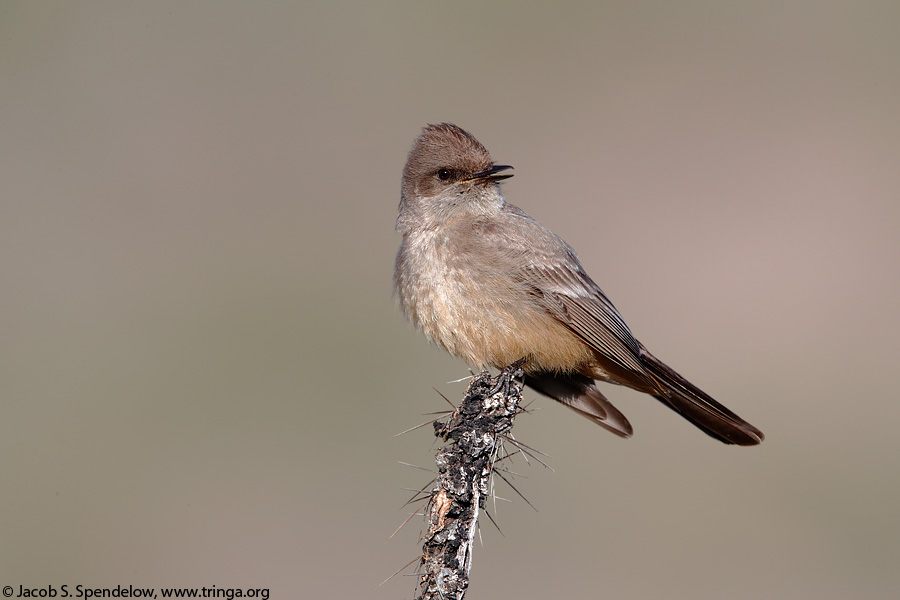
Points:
[[472, 304]]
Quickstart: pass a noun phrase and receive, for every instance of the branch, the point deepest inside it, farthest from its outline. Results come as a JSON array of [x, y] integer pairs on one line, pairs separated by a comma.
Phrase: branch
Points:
[[475, 431]]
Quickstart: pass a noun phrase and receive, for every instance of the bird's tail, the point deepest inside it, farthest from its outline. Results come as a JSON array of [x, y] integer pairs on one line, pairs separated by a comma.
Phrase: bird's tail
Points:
[[693, 404], [579, 393]]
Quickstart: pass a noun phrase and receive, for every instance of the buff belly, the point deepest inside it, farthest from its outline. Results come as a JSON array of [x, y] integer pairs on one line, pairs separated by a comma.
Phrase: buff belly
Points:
[[490, 321]]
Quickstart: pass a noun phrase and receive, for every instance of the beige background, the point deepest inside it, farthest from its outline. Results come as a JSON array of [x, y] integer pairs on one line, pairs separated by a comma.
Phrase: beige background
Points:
[[202, 368]]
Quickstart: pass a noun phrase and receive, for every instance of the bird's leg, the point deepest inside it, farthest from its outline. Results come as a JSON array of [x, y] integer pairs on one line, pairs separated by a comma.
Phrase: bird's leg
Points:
[[509, 373]]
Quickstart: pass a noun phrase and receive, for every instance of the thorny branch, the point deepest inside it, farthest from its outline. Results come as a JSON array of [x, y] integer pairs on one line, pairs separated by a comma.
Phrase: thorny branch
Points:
[[476, 431]]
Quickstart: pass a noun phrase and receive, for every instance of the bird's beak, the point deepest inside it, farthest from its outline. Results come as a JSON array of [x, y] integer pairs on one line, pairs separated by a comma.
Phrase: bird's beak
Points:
[[491, 174]]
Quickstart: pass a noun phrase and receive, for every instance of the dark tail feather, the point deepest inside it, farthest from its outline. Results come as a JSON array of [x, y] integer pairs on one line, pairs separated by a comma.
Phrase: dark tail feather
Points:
[[578, 393], [693, 404]]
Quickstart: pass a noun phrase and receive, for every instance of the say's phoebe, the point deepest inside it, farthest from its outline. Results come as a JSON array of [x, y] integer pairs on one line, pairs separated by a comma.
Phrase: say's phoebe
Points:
[[489, 284]]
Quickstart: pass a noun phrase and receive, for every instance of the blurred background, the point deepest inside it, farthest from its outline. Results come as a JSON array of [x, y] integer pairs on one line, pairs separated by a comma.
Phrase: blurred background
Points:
[[202, 366]]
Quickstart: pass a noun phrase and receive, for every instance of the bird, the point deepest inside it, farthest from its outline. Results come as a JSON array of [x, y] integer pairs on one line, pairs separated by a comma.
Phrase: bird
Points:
[[491, 285]]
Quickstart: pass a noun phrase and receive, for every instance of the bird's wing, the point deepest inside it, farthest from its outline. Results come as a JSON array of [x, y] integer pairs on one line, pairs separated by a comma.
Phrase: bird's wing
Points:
[[571, 296], [549, 269], [554, 276]]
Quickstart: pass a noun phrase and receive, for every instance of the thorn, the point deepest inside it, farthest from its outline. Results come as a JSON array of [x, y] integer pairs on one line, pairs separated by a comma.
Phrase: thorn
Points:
[[519, 451], [509, 456], [403, 524], [495, 522], [517, 491], [527, 446], [401, 568], [526, 454], [414, 500], [406, 464], [507, 471], [417, 492], [416, 427], [444, 397]]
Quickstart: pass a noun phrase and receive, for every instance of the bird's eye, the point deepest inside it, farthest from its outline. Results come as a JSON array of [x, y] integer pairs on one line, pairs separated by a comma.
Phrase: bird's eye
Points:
[[443, 174]]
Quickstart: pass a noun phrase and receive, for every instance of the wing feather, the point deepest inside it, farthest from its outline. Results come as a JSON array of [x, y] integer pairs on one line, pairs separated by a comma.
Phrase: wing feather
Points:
[[573, 298]]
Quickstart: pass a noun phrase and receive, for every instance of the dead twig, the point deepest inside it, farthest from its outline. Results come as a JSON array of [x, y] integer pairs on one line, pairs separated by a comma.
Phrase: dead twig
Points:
[[475, 431]]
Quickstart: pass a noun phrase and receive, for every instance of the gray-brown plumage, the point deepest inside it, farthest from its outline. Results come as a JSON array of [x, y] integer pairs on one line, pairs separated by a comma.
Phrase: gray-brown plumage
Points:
[[491, 285]]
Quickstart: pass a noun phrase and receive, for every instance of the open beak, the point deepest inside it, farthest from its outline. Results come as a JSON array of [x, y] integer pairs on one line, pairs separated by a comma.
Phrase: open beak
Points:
[[491, 175]]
